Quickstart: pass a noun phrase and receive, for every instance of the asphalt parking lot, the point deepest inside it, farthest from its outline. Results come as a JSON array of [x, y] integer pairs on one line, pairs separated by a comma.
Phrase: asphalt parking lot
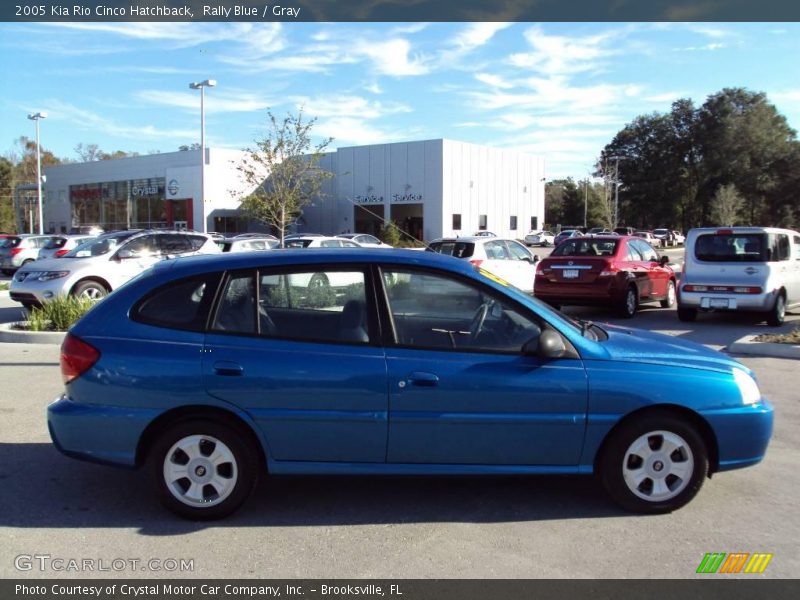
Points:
[[350, 527]]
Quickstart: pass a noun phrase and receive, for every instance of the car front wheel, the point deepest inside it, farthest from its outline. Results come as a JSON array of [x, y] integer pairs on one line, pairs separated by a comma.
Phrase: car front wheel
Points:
[[92, 290], [669, 301], [654, 464], [202, 469]]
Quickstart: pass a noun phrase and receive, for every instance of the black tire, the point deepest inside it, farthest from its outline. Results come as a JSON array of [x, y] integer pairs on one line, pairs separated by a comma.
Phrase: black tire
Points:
[[687, 315], [630, 303], [669, 301], [318, 280], [8, 272], [243, 469], [777, 314], [90, 289], [684, 469]]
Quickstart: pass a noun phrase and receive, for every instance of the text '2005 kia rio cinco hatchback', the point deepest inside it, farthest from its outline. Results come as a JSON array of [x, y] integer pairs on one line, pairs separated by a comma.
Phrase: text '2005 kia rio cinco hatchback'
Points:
[[212, 371]]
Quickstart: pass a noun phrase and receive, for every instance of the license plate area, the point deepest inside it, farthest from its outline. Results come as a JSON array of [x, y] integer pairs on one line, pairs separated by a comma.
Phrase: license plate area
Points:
[[570, 273], [718, 303]]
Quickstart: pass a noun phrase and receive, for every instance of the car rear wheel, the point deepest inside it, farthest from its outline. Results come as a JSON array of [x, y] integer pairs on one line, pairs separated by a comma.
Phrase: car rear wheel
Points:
[[93, 290], [669, 301], [630, 303], [203, 470], [776, 316], [687, 315], [654, 464]]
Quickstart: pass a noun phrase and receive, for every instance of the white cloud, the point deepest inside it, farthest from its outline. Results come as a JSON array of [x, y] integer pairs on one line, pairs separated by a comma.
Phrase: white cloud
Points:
[[355, 131], [392, 57], [215, 101], [476, 34], [374, 88], [348, 106], [557, 55], [711, 31], [494, 80], [706, 48]]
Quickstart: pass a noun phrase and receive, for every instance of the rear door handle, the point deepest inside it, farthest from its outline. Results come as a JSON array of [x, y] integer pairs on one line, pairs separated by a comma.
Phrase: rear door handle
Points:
[[424, 379], [228, 368]]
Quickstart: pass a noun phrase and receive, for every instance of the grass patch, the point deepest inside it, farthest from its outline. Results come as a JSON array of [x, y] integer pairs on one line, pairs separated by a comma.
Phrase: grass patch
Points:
[[4, 285], [793, 337], [58, 314]]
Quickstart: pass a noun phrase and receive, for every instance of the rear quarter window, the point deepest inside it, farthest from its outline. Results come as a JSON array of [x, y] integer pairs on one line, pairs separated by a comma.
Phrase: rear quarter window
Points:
[[457, 249], [586, 247], [182, 304]]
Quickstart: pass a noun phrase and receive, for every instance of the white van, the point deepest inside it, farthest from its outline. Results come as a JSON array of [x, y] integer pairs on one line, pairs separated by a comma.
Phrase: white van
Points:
[[740, 269]]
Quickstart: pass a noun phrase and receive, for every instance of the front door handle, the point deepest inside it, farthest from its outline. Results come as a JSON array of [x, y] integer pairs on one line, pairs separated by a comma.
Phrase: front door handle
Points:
[[424, 379], [228, 368]]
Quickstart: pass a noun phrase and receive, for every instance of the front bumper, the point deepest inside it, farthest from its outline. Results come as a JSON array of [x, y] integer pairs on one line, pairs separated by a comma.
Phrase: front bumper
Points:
[[104, 434], [37, 292], [742, 433]]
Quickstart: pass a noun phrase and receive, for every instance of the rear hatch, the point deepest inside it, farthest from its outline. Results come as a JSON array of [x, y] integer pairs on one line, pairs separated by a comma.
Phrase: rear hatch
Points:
[[726, 259]]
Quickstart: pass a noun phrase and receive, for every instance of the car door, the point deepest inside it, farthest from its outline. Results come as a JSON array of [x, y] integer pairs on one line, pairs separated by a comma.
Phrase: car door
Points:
[[460, 389], [657, 275], [498, 260], [132, 258], [303, 362], [522, 264], [794, 282]]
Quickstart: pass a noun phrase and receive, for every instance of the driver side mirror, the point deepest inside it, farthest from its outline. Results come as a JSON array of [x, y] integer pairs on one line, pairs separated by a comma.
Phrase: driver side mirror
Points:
[[548, 344], [664, 261], [535, 258], [124, 253]]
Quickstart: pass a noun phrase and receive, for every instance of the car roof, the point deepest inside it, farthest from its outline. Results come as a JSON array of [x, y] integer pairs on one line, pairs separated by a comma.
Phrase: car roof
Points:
[[189, 265], [472, 239]]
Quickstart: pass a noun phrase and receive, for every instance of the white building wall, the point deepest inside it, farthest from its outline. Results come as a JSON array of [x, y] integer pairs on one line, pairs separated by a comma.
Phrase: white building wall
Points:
[[479, 180]]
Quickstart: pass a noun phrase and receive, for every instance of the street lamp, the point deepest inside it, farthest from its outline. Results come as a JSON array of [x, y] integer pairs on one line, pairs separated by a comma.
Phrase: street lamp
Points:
[[202, 85], [617, 183], [37, 117]]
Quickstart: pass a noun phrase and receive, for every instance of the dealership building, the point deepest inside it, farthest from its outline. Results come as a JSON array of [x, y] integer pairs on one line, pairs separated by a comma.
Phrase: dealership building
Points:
[[430, 189]]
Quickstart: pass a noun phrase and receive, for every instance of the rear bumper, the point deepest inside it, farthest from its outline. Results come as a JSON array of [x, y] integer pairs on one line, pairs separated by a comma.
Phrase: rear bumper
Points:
[[742, 433], [104, 434], [588, 294], [722, 301]]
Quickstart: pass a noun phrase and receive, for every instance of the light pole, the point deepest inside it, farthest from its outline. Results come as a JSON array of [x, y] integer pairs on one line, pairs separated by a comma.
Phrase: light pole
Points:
[[202, 85], [38, 117], [616, 188]]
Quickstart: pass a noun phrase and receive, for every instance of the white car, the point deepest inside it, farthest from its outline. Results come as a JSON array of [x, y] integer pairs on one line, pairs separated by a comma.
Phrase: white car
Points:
[[507, 259], [483, 233], [364, 239], [247, 244], [99, 266], [678, 237], [59, 245], [648, 237], [18, 250], [540, 238], [329, 278], [319, 242]]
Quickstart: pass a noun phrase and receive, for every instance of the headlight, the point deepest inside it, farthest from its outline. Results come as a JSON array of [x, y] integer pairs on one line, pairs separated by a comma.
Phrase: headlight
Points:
[[747, 387], [50, 275]]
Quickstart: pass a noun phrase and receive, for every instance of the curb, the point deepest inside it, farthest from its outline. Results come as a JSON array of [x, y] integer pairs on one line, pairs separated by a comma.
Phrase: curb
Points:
[[746, 345], [9, 335]]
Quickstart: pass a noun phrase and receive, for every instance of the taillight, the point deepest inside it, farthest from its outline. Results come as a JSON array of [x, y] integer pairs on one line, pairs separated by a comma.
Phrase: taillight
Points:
[[724, 231], [609, 270], [15, 251], [77, 357], [477, 262], [60, 253]]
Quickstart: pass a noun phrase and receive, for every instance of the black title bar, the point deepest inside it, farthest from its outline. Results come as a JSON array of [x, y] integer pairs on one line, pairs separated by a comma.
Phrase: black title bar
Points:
[[401, 10]]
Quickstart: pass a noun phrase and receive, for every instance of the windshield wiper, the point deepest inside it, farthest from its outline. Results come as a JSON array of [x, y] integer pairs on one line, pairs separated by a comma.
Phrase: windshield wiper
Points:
[[585, 326]]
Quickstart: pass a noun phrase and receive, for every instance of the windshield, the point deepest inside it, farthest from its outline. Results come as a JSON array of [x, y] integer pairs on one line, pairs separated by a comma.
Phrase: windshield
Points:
[[454, 248], [586, 247], [733, 247], [98, 247]]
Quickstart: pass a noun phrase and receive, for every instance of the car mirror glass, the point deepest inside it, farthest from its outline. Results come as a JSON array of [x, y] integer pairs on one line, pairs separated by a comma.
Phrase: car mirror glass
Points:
[[550, 345], [124, 253], [664, 261]]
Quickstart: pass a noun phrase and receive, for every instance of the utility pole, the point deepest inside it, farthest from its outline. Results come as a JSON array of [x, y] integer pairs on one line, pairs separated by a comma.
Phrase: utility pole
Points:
[[585, 199], [616, 189]]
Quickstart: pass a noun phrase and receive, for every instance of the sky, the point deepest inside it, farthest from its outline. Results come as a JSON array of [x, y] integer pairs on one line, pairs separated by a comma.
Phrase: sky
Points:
[[557, 90]]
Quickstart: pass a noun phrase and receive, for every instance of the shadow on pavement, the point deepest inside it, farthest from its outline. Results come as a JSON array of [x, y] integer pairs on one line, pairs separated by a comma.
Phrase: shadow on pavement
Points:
[[50, 490]]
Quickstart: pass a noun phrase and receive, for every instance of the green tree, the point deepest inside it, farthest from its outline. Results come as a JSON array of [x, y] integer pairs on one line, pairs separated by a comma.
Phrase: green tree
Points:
[[92, 152], [7, 221], [390, 234], [726, 206], [284, 171]]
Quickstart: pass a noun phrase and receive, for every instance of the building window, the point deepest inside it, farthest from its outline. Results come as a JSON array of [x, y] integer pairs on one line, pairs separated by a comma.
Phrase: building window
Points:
[[513, 225], [482, 222], [456, 222], [534, 223]]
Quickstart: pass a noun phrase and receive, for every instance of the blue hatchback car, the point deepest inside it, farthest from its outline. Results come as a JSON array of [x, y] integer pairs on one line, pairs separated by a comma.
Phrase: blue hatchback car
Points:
[[212, 371]]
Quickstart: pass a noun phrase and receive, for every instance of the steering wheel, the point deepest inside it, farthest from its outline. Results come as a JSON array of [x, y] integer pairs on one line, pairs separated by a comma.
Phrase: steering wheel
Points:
[[476, 325]]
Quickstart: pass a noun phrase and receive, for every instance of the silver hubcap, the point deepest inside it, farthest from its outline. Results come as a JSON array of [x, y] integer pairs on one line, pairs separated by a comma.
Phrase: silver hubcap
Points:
[[658, 466], [93, 293], [671, 293], [200, 471], [630, 302], [781, 308]]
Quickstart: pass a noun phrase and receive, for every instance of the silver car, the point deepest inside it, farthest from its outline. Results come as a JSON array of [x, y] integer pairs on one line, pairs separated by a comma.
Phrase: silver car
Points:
[[19, 250], [59, 245], [740, 269]]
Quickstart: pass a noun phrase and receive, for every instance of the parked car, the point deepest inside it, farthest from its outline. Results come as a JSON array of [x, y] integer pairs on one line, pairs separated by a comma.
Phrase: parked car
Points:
[[483, 233], [624, 230], [267, 236], [664, 237], [247, 244], [293, 236], [679, 238], [621, 272], [90, 230], [648, 237], [565, 235], [99, 266], [320, 242], [364, 239], [740, 269], [59, 245], [599, 231], [213, 372], [19, 250], [507, 259], [540, 238]]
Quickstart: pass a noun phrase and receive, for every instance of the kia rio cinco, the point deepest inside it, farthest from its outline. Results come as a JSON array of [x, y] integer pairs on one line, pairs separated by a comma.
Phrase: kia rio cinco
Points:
[[213, 371]]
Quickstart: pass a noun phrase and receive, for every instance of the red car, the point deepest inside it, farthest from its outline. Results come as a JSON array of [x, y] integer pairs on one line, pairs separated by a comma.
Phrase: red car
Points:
[[622, 272]]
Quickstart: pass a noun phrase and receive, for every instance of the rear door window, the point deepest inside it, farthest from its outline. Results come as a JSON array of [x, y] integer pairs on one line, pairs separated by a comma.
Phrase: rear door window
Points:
[[179, 304], [454, 248]]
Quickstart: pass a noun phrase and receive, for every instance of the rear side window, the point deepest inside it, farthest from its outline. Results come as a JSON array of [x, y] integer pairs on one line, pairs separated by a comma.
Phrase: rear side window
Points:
[[797, 247], [55, 243], [196, 241], [175, 244], [182, 304], [780, 247], [733, 247], [457, 249]]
